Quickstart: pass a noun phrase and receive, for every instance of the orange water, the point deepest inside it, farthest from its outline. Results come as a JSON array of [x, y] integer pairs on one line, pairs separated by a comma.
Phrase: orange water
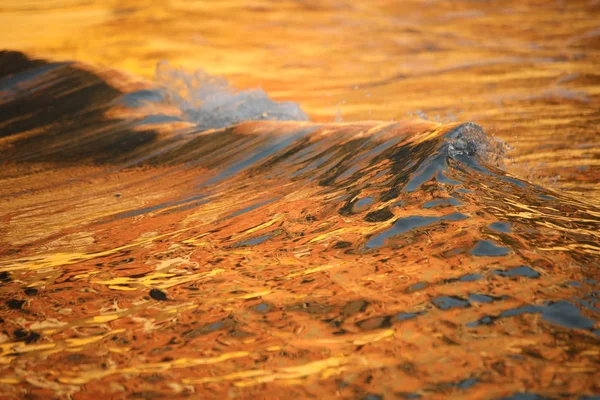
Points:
[[355, 260]]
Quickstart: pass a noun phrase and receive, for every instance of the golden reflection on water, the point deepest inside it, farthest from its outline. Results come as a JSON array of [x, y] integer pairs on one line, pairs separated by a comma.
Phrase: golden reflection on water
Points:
[[289, 297], [314, 273]]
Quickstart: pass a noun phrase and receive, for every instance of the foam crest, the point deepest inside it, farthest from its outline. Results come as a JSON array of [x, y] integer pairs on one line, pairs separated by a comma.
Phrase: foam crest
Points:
[[470, 139], [212, 103]]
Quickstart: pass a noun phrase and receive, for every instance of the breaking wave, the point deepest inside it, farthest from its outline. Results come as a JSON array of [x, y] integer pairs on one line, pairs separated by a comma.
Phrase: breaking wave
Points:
[[150, 229], [211, 103]]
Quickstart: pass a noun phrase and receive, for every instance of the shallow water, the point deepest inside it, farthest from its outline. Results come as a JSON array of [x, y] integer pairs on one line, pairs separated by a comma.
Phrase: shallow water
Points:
[[149, 248]]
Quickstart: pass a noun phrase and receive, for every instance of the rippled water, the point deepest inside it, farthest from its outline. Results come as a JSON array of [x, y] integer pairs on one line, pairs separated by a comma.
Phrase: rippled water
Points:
[[178, 237]]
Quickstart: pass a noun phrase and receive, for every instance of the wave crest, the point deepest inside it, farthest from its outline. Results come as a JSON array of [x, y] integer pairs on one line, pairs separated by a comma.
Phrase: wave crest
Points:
[[211, 103], [470, 139]]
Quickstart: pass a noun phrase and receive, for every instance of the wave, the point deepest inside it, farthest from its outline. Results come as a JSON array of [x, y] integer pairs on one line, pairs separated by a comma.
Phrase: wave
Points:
[[263, 230]]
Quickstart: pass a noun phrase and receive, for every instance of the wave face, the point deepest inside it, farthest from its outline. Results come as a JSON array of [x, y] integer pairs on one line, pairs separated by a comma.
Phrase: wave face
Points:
[[157, 241]]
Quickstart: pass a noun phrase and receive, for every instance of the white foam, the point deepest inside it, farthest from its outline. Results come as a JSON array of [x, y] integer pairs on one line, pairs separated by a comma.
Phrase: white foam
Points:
[[211, 102], [470, 139]]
